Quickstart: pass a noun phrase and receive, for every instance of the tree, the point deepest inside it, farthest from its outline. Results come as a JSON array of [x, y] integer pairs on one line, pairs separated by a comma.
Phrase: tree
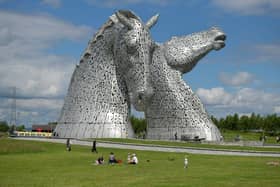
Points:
[[252, 121], [243, 123], [20, 128], [259, 122], [231, 122], [4, 127], [269, 123], [234, 122], [222, 123]]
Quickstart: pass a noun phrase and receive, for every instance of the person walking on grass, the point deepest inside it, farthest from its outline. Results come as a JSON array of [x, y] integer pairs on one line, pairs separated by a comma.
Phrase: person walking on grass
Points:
[[93, 149], [68, 144]]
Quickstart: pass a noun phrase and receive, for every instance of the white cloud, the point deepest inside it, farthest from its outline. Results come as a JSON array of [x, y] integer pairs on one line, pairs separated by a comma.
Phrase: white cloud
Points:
[[249, 7], [32, 104], [36, 76], [238, 79], [214, 96], [30, 111], [24, 62], [41, 78], [245, 100], [36, 29], [53, 3]]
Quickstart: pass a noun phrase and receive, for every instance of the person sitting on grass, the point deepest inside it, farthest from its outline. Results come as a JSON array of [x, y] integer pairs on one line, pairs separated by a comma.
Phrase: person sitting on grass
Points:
[[112, 158], [134, 159], [99, 161]]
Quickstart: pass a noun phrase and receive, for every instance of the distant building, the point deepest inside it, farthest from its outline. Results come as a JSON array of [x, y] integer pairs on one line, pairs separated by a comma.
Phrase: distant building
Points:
[[43, 127]]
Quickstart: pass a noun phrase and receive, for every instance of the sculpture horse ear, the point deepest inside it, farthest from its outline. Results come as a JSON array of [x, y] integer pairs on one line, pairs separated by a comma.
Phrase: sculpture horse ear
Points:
[[124, 15], [152, 21]]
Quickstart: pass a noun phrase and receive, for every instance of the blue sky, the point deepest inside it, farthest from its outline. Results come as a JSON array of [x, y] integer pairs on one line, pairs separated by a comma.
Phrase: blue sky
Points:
[[42, 40]]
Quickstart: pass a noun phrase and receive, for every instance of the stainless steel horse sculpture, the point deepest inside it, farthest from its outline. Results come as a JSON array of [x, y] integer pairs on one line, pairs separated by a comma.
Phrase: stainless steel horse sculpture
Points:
[[175, 111], [113, 72], [122, 66]]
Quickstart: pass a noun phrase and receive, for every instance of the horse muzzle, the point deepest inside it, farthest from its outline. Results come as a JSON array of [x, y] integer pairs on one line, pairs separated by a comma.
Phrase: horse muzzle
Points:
[[219, 40]]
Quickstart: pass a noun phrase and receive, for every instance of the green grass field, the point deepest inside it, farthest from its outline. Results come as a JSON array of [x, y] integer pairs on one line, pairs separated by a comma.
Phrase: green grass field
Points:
[[28, 163]]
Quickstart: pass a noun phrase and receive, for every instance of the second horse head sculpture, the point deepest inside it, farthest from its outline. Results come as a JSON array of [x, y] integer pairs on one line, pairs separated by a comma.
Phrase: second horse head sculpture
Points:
[[174, 107]]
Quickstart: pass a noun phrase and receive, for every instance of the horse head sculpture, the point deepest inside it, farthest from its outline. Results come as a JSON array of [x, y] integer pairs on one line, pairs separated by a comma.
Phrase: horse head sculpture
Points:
[[133, 51], [113, 70], [175, 110]]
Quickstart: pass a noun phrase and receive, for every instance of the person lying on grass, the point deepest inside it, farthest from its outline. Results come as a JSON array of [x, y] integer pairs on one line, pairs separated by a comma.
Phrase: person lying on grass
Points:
[[99, 161]]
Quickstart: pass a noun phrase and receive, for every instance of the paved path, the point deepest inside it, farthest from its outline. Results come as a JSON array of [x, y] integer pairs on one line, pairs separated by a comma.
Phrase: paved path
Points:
[[159, 148]]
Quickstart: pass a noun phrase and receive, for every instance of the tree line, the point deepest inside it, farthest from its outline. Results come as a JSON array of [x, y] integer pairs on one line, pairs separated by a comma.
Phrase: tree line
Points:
[[269, 123]]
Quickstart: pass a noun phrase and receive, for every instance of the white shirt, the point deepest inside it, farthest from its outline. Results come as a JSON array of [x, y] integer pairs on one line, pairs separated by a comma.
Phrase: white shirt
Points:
[[135, 159], [186, 162]]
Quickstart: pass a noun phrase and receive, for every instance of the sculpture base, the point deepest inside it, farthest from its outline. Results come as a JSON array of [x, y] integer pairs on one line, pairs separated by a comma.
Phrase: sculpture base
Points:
[[199, 132]]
